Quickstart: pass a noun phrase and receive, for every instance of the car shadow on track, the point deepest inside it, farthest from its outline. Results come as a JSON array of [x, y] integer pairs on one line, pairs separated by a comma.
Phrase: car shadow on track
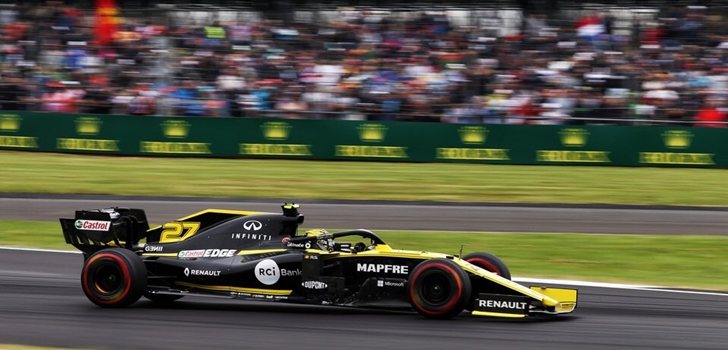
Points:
[[224, 304]]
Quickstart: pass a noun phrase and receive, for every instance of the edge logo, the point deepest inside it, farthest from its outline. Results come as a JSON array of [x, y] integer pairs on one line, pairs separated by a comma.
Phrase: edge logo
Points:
[[253, 225]]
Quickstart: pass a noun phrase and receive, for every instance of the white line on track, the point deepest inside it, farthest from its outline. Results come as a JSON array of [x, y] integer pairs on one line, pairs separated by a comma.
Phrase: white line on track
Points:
[[41, 250], [517, 279]]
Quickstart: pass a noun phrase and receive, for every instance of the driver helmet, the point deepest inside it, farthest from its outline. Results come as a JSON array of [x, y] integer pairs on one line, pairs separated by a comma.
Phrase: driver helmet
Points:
[[324, 241]]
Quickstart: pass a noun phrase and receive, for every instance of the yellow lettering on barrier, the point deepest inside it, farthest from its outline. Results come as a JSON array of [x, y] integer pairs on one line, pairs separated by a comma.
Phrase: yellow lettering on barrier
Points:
[[573, 156], [676, 158], [19, 141], [371, 151], [87, 145], [174, 147], [473, 153], [270, 149]]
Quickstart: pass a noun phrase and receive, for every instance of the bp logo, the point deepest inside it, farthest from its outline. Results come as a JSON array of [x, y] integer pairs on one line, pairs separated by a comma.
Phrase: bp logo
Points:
[[267, 272], [574, 137], [473, 135], [175, 129], [88, 125], [677, 138], [10, 122], [275, 130], [372, 132]]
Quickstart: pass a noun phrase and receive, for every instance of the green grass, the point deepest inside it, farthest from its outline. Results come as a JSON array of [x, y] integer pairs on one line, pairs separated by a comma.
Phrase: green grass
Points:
[[62, 173], [677, 261]]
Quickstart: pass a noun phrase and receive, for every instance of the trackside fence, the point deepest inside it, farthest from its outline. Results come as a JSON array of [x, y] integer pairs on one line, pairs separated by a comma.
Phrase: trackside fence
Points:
[[364, 140]]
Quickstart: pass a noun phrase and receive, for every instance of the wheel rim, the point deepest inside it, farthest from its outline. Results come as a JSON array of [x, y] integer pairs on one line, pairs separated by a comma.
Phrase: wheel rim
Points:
[[108, 279], [435, 289]]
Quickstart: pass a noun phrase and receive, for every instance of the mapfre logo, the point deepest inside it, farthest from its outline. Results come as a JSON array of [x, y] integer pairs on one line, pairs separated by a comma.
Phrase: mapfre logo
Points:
[[252, 225], [267, 272], [383, 268], [92, 225]]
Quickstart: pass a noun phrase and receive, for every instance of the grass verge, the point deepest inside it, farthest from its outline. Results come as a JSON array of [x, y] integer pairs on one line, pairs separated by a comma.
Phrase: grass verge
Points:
[[677, 261], [28, 172]]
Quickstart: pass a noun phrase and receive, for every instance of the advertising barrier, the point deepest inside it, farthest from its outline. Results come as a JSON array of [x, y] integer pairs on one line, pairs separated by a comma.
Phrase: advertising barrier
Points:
[[357, 140]]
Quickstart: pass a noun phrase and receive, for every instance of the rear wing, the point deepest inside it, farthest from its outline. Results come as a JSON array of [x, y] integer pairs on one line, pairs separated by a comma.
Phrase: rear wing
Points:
[[92, 230]]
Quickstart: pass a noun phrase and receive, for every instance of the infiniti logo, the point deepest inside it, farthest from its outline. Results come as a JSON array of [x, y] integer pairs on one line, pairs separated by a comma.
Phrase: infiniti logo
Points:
[[254, 225]]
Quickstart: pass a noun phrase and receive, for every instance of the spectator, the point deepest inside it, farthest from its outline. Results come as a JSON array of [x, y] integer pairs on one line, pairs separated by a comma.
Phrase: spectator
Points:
[[711, 116], [373, 65]]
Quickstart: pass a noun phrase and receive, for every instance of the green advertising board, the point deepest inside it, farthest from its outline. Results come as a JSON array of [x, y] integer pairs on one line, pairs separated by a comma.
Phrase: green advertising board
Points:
[[355, 140]]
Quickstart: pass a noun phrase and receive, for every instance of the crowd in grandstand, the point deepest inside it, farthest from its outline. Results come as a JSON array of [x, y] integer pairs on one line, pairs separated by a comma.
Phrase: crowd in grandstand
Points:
[[367, 65]]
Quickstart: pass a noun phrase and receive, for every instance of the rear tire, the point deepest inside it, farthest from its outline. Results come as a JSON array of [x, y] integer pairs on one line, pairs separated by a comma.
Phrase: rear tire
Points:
[[438, 288], [489, 262], [114, 277]]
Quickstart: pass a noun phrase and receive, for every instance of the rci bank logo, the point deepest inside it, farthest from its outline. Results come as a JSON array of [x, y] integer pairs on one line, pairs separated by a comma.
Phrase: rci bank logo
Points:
[[472, 135], [574, 137], [275, 130], [88, 125], [175, 129], [10, 122], [679, 139], [372, 132]]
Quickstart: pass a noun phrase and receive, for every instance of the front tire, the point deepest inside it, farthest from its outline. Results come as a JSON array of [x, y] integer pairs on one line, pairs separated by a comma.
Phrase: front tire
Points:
[[489, 262], [438, 288], [113, 278]]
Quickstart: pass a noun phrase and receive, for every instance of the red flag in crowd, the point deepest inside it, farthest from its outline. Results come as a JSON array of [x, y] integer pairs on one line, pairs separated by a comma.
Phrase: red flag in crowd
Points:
[[105, 21]]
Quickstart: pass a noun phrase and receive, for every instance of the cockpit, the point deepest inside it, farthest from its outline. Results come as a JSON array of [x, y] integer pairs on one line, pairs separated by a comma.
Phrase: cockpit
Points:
[[353, 241]]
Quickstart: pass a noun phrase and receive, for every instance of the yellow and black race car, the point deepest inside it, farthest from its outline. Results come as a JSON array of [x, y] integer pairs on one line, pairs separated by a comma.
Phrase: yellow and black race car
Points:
[[261, 256]]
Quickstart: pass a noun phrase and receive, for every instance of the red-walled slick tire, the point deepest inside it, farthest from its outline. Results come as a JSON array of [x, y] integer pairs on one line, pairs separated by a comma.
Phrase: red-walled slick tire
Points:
[[489, 262], [438, 288], [113, 277]]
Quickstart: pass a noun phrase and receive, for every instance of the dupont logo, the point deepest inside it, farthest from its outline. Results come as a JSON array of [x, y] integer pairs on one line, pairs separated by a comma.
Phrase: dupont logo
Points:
[[92, 225]]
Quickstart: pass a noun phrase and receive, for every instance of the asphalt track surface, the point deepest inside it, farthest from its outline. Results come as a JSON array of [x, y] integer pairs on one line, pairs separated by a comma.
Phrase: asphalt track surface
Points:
[[406, 216], [41, 304]]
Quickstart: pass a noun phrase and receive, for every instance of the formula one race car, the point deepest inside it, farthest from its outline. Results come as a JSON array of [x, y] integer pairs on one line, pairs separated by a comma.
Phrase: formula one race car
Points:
[[261, 256]]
